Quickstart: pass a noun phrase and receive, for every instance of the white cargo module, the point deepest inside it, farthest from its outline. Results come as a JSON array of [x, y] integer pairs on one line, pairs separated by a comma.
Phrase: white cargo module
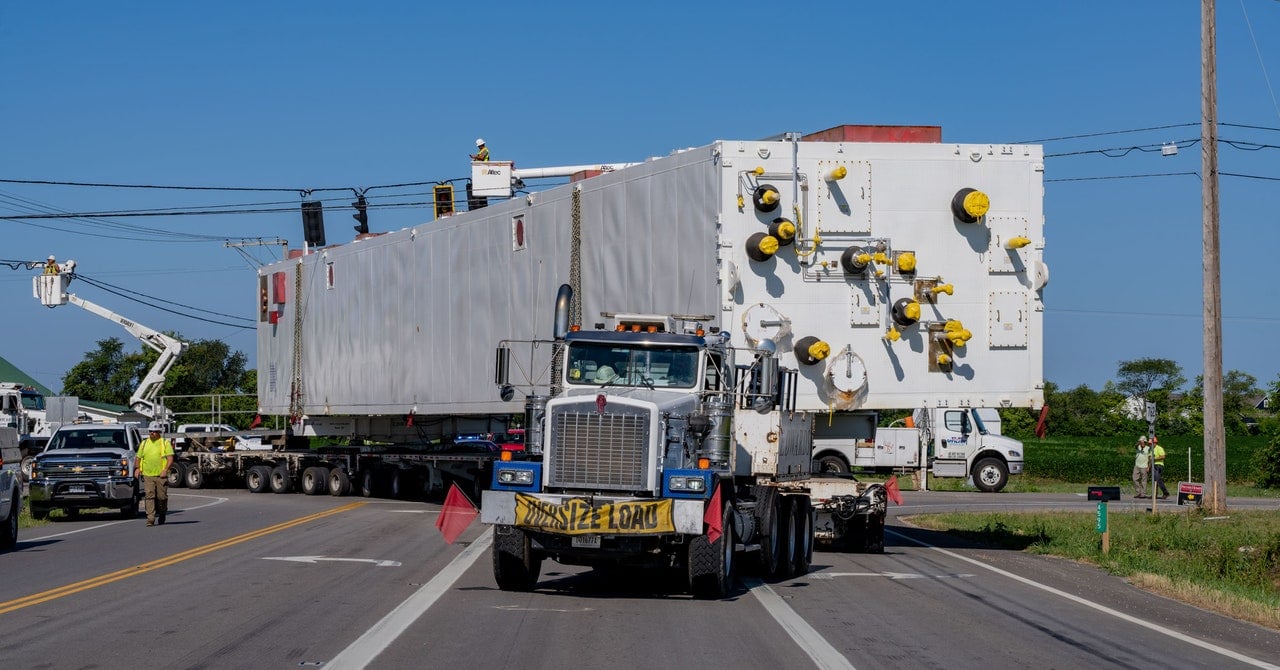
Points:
[[890, 274]]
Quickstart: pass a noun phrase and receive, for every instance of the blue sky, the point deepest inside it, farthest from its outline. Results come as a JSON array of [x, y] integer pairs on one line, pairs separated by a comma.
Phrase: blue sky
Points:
[[311, 95]]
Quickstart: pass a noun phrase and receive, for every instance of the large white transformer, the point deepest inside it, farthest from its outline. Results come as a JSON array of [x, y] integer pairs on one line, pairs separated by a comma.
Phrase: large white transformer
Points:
[[890, 274]]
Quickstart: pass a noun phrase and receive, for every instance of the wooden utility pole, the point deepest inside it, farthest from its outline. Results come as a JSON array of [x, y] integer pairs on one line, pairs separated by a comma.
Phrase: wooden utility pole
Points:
[[1215, 461]]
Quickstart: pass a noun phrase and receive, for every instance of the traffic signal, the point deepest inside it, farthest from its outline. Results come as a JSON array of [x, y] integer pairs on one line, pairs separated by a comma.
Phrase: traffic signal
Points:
[[444, 199], [362, 215], [313, 223]]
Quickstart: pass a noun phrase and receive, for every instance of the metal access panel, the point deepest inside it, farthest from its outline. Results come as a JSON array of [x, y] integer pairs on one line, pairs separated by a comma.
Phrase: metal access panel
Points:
[[1010, 319]]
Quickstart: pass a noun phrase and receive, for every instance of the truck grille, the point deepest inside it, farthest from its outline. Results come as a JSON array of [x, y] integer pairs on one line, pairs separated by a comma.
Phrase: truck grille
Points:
[[599, 451], [80, 470]]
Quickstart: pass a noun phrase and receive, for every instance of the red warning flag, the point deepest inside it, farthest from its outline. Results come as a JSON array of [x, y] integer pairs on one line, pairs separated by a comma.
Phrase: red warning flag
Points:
[[257, 421], [891, 489], [458, 513], [1042, 428], [712, 517]]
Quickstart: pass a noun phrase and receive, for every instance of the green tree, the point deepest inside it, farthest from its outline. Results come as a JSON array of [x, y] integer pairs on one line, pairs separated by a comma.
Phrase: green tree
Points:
[[1238, 388], [108, 374]]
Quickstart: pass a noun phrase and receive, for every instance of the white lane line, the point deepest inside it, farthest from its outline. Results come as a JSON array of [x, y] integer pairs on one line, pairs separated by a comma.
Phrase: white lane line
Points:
[[1101, 608], [360, 654], [216, 501], [819, 650]]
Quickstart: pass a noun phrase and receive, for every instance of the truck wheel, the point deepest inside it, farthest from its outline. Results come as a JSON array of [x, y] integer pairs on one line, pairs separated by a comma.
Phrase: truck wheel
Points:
[[368, 483], [129, 511], [258, 479], [398, 484], [771, 538], [9, 535], [515, 564], [833, 464], [788, 566], [990, 475], [39, 514], [339, 482], [711, 564], [281, 480], [313, 480], [802, 530], [177, 475], [195, 478]]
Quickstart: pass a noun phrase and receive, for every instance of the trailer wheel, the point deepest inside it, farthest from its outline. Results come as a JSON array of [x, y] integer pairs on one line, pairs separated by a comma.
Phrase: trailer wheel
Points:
[[802, 530], [195, 478], [178, 475], [833, 464], [771, 537], [786, 531], [711, 564], [368, 483], [990, 475], [515, 564], [258, 479], [313, 480], [281, 480], [399, 484], [339, 482]]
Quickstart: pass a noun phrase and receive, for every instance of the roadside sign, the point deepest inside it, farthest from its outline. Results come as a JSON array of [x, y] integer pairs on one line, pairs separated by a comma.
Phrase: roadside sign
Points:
[[1102, 517], [1190, 493], [1151, 412]]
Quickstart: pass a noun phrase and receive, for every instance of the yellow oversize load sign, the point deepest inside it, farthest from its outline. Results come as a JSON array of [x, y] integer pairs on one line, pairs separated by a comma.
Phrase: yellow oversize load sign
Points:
[[576, 516]]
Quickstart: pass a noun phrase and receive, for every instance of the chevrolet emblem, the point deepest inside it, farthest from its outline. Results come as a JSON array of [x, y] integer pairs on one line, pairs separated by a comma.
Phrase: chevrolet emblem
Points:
[[78, 469]]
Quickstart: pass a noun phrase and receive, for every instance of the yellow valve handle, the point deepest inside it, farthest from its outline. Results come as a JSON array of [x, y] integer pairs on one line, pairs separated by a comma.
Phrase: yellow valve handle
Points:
[[906, 262], [837, 174], [912, 311], [759, 170], [769, 245], [976, 204], [893, 335], [819, 350], [880, 257], [769, 197], [1017, 242], [741, 202], [945, 288], [944, 359]]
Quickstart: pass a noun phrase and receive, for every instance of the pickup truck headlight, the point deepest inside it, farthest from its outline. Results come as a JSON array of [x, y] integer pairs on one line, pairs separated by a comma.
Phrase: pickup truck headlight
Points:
[[515, 477]]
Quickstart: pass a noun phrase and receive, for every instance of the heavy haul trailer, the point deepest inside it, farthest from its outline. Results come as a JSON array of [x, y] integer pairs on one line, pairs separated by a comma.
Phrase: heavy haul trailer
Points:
[[885, 274], [366, 471]]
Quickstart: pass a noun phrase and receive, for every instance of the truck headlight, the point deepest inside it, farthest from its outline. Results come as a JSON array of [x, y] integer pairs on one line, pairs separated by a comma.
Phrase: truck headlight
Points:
[[516, 477], [1015, 454], [693, 484]]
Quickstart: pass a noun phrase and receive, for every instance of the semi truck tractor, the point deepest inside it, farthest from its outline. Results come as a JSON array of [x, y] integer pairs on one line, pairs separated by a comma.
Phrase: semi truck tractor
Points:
[[873, 267]]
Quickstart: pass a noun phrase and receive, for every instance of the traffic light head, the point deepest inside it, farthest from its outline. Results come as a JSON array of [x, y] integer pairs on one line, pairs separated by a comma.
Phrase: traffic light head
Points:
[[313, 223], [362, 214]]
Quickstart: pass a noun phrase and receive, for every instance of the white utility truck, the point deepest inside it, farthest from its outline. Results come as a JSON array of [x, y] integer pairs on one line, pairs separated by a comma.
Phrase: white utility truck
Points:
[[874, 267], [946, 442]]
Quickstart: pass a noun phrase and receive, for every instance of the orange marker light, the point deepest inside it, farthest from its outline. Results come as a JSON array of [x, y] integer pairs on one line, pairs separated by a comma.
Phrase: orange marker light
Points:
[[505, 456], [704, 463]]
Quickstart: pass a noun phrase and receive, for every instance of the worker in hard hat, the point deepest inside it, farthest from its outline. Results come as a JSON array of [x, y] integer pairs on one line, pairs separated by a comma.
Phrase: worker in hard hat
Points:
[[51, 266], [482, 152]]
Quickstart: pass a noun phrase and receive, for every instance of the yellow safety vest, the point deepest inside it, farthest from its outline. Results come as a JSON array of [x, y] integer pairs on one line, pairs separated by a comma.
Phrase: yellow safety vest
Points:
[[151, 455]]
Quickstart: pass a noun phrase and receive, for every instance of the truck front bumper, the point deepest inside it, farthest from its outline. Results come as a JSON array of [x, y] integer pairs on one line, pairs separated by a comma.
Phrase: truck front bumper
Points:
[[499, 507], [82, 493]]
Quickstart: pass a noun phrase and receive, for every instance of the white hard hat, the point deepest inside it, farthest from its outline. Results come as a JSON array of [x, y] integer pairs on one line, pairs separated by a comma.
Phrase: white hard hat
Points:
[[156, 426], [479, 141], [52, 257]]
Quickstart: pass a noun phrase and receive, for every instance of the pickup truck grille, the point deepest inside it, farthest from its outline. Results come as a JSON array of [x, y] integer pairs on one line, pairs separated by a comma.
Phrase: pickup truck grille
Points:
[[597, 451], [94, 469]]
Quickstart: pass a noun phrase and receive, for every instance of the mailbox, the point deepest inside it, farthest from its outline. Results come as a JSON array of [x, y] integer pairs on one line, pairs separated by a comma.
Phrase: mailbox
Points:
[[1104, 493]]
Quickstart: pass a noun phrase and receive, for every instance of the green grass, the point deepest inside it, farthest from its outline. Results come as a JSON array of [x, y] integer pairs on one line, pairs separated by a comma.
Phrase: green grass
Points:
[[1228, 564]]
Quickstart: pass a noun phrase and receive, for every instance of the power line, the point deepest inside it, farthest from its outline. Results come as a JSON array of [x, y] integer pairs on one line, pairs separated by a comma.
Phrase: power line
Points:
[[122, 294], [1125, 176]]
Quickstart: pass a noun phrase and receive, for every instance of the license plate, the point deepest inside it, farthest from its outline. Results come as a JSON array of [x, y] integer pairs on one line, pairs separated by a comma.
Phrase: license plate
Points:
[[75, 488], [586, 541]]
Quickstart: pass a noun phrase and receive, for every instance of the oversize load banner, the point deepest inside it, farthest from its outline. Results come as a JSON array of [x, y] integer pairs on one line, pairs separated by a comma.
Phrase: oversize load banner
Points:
[[576, 516]]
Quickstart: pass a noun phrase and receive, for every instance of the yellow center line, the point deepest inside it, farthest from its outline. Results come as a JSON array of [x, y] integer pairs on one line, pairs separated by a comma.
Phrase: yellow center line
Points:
[[102, 580]]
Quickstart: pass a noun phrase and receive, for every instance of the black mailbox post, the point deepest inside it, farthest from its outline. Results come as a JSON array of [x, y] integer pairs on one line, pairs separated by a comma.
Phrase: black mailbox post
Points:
[[1104, 493]]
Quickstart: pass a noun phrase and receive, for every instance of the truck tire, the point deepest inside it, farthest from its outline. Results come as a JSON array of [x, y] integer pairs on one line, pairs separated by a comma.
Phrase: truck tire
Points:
[[129, 511], [368, 483], [177, 475], [711, 564], [195, 478], [833, 464], [990, 474], [314, 479], [339, 482], [39, 514], [398, 484], [515, 564], [258, 479], [786, 520], [9, 535], [281, 480], [802, 530], [772, 525]]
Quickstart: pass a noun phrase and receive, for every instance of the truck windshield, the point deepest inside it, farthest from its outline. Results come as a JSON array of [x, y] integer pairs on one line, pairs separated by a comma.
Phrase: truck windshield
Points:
[[32, 400], [89, 438], [600, 364]]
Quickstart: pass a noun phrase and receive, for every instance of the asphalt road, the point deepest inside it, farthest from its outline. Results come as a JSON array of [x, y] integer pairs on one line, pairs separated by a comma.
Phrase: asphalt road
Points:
[[237, 580]]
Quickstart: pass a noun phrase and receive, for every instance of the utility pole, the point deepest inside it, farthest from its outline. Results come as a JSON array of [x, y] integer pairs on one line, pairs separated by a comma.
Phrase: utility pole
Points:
[[1215, 461]]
